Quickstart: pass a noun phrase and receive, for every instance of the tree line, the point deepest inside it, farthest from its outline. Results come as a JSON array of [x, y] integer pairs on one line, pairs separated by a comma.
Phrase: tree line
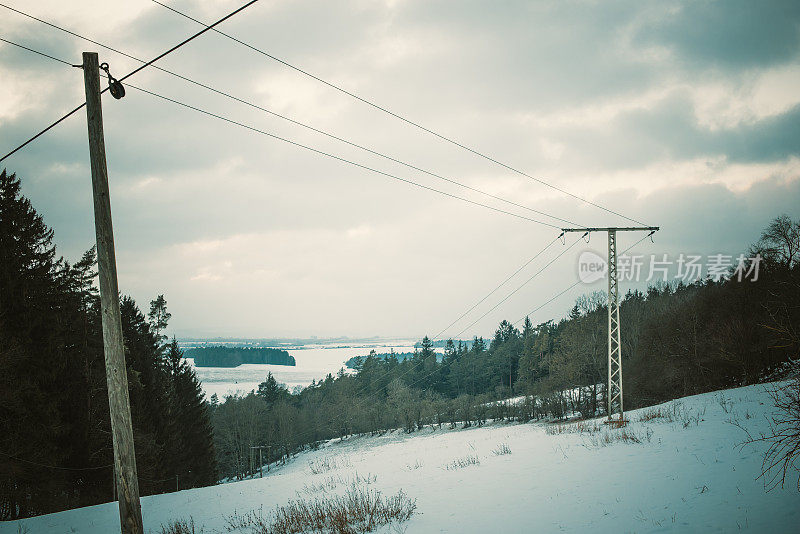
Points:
[[55, 437], [55, 444], [236, 356], [356, 362], [678, 339]]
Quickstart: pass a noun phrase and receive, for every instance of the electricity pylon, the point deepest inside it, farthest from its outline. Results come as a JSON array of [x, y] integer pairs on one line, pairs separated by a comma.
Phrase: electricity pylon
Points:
[[614, 335]]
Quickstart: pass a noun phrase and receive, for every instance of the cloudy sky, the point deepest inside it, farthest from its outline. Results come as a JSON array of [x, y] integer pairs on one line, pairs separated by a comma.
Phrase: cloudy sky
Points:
[[678, 114]]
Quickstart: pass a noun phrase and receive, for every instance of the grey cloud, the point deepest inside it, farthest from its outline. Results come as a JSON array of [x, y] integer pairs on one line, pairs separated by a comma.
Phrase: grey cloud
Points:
[[338, 250], [771, 139], [670, 131], [729, 34]]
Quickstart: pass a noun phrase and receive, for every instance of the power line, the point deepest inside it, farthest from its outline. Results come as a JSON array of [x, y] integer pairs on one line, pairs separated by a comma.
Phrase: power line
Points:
[[188, 39], [537, 273], [446, 328], [70, 32], [446, 364], [339, 158], [400, 117], [321, 152], [169, 51], [77, 469], [96, 468], [570, 287], [415, 366], [356, 164], [57, 27], [38, 52], [335, 157], [536, 309], [273, 113], [546, 303], [160, 96], [44, 131]]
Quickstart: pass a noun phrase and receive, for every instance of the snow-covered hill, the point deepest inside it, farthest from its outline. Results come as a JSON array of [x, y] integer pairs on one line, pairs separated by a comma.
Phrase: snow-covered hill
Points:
[[686, 474]]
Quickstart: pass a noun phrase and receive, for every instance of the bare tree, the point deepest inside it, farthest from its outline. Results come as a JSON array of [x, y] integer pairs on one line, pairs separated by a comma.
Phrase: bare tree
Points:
[[780, 242], [783, 438]]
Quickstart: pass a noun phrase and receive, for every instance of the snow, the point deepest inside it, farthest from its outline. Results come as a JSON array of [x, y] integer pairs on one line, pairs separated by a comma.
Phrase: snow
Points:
[[511, 401], [684, 479], [314, 362]]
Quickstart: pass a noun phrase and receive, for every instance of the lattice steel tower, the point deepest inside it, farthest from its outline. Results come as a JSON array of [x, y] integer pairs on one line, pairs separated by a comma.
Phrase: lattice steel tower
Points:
[[615, 404]]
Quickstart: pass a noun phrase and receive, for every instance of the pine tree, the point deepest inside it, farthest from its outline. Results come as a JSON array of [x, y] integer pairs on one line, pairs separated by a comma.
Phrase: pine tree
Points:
[[271, 391], [53, 396], [159, 317], [193, 455], [174, 357], [30, 359]]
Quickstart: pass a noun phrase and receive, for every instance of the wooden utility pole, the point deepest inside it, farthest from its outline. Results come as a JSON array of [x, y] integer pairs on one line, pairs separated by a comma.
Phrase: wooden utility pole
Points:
[[260, 459], [130, 511]]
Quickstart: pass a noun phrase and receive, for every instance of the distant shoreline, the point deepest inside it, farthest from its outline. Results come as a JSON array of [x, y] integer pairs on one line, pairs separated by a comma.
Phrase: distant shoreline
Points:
[[221, 356]]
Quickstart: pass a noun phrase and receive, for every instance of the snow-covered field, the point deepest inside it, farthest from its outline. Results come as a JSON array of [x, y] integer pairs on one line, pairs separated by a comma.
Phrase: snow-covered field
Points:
[[687, 475]]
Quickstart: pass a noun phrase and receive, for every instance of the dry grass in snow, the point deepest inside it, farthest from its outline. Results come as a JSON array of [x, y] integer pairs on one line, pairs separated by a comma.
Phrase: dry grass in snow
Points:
[[464, 461], [358, 510], [502, 449]]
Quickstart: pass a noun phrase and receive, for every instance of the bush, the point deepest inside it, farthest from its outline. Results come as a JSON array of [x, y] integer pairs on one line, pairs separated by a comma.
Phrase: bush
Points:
[[332, 482], [580, 427], [358, 510], [623, 435], [180, 526], [666, 412], [784, 436], [465, 461], [328, 463], [502, 449]]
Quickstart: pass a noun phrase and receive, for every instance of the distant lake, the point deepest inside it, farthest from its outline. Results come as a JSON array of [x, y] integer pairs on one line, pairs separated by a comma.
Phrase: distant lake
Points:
[[314, 362]]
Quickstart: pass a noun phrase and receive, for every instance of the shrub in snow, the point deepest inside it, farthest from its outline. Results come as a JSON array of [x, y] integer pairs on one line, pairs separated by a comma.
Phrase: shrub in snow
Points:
[[784, 437], [668, 413], [358, 510], [581, 427], [180, 526], [502, 449], [624, 435], [329, 463], [465, 461]]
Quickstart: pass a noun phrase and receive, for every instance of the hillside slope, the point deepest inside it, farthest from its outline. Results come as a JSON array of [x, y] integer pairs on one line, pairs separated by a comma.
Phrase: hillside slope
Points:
[[687, 474]]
